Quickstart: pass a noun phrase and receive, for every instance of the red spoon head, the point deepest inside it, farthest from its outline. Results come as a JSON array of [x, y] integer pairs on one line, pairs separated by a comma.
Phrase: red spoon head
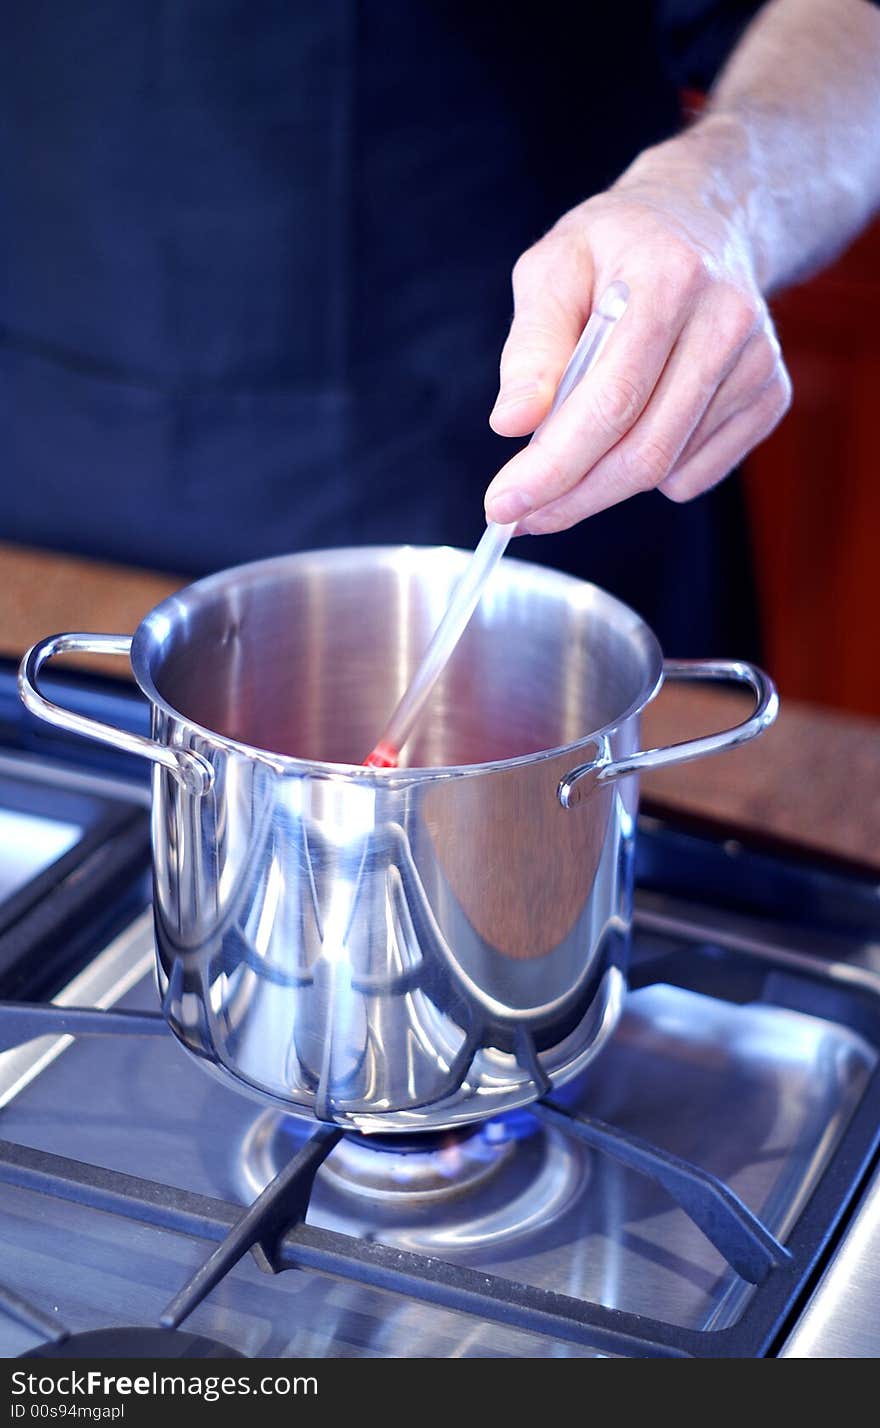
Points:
[[384, 756]]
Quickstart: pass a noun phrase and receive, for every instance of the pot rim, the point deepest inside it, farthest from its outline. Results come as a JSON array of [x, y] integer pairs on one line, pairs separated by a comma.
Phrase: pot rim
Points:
[[155, 625]]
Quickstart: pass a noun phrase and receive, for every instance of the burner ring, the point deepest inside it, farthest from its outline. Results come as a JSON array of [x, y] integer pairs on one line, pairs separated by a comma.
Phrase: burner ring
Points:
[[438, 1165], [485, 1185], [134, 1343], [446, 1165]]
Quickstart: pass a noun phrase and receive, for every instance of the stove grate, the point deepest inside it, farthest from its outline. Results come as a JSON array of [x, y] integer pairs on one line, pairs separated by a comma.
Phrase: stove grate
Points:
[[273, 1228], [15, 1307], [738, 1235]]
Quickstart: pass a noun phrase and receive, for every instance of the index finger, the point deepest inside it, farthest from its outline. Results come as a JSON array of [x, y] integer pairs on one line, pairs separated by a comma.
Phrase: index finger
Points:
[[551, 295], [597, 414]]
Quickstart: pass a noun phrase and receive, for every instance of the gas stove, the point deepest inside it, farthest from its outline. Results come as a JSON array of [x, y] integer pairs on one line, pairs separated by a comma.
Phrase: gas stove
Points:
[[708, 1186]]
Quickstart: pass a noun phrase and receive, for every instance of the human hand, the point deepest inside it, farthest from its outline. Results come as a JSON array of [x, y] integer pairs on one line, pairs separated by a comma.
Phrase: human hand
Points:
[[692, 378]]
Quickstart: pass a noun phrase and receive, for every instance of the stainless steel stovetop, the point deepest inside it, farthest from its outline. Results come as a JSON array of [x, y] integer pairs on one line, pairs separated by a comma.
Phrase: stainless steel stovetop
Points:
[[748, 1047]]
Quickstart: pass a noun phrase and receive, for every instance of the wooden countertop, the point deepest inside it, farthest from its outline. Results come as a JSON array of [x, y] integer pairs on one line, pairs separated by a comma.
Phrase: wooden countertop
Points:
[[814, 778]]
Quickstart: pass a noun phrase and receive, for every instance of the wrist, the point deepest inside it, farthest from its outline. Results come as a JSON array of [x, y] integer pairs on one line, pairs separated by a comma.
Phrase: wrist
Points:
[[714, 168]]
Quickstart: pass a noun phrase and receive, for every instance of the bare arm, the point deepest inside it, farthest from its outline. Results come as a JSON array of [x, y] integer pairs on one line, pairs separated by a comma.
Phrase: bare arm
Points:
[[795, 123], [779, 173]]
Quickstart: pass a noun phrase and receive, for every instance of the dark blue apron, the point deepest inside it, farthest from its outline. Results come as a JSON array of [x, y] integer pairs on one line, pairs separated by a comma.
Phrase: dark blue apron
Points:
[[255, 277]]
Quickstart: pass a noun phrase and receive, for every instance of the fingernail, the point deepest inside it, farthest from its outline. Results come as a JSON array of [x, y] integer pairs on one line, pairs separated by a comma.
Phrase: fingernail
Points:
[[514, 394], [509, 506]]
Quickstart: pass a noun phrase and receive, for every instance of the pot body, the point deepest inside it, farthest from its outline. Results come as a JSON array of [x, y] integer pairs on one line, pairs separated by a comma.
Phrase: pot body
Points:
[[391, 958], [392, 950]]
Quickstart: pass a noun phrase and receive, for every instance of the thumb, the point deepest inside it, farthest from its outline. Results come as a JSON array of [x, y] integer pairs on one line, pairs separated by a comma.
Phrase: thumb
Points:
[[552, 289]]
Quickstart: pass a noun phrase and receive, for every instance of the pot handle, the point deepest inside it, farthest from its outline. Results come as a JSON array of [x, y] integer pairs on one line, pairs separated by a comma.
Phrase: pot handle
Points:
[[190, 769], [575, 787]]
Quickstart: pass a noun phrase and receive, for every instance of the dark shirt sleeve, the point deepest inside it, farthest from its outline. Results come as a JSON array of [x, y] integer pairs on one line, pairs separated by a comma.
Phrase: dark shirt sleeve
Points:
[[696, 36]]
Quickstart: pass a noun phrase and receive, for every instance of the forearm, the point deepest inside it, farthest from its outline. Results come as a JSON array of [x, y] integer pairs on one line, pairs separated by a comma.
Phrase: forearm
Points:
[[789, 145], [781, 170]]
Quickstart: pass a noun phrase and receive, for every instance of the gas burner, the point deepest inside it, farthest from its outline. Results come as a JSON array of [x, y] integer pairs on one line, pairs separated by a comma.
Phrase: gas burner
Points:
[[135, 1343], [486, 1183], [437, 1165]]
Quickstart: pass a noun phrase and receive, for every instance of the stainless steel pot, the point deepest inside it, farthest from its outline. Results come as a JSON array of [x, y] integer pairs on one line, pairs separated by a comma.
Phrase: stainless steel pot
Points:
[[393, 950]]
